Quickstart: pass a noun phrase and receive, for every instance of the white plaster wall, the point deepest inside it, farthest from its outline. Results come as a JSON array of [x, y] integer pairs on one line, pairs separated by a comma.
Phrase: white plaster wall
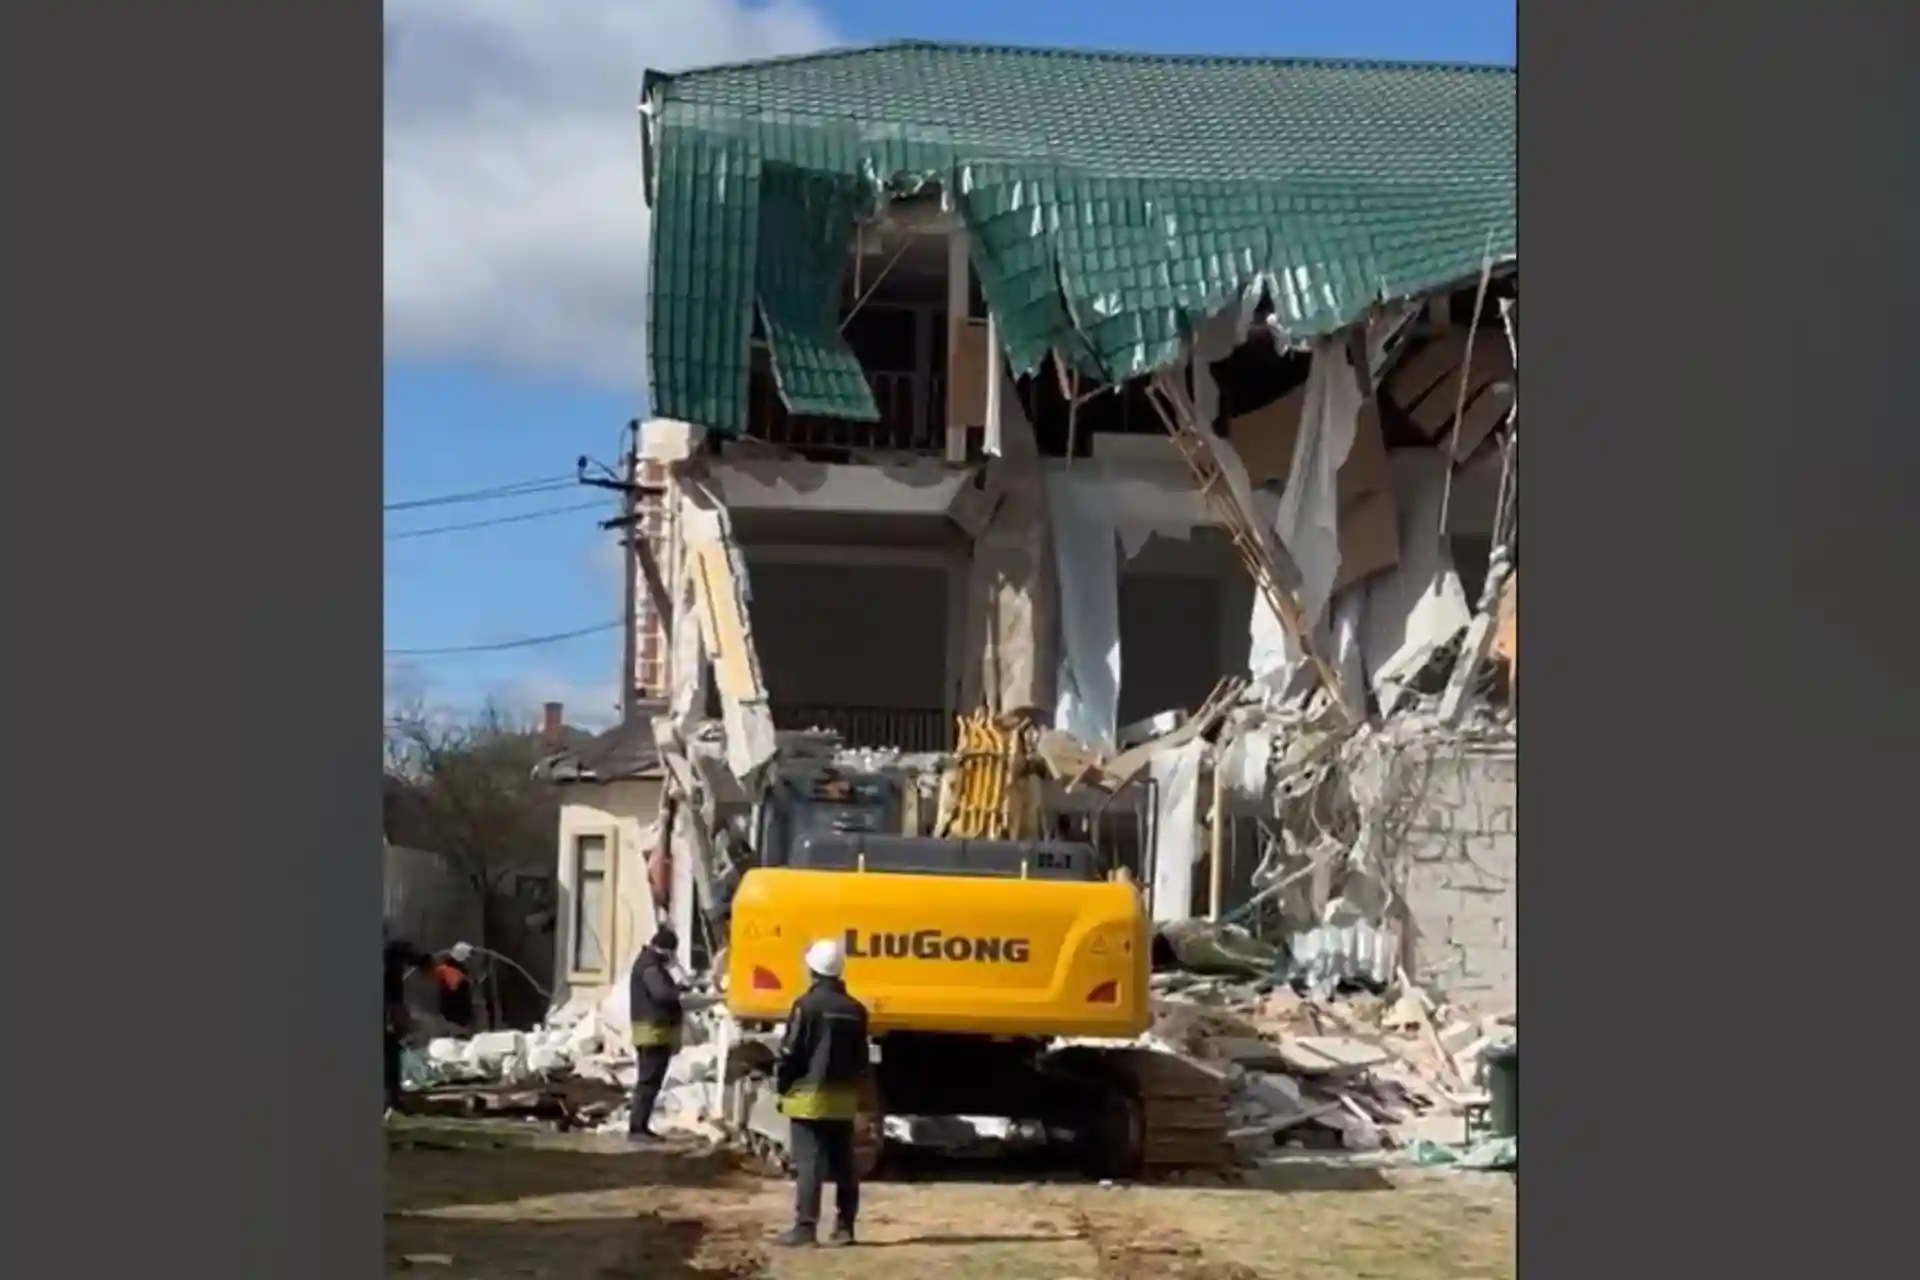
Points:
[[624, 812]]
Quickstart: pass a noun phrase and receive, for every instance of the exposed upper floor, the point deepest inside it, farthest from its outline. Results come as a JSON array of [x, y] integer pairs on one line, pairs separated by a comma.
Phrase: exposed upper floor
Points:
[[849, 248]]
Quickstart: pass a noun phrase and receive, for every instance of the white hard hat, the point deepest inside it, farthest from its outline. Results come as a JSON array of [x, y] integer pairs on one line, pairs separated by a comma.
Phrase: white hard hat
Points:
[[825, 958]]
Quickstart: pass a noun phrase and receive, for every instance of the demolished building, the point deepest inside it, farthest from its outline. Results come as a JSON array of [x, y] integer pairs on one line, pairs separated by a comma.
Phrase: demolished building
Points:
[[1169, 401]]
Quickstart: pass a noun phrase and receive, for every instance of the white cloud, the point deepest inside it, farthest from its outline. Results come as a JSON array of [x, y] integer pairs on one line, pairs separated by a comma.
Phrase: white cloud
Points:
[[516, 233]]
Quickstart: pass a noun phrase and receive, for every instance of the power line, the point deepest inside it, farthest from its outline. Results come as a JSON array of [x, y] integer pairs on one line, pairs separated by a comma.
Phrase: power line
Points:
[[519, 488], [528, 643], [542, 514]]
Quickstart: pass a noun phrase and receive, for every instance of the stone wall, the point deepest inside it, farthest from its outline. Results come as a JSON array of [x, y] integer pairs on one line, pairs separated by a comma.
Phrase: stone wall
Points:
[[1454, 849]]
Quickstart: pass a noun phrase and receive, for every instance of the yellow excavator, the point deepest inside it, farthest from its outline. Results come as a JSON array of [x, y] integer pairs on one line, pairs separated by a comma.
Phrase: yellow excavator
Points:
[[977, 947]]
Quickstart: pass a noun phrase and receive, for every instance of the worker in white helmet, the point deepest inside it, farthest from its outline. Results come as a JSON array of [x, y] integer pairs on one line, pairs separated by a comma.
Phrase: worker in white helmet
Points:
[[822, 1060]]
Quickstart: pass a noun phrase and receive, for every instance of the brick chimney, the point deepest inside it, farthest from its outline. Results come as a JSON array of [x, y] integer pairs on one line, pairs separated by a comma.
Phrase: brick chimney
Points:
[[552, 721]]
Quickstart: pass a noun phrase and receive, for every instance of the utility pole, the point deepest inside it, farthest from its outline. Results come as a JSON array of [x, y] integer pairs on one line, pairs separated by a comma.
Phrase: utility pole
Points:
[[645, 525], [629, 578]]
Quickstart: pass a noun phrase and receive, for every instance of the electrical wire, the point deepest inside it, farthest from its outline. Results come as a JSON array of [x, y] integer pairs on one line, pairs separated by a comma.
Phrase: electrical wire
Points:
[[542, 514], [518, 488], [527, 643]]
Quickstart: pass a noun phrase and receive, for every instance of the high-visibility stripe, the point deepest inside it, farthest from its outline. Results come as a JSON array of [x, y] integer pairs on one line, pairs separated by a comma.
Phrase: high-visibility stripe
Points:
[[810, 1102], [648, 1035]]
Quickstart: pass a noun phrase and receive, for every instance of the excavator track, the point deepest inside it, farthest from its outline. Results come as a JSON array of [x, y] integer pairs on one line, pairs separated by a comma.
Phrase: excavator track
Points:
[[869, 1130], [1158, 1114], [751, 1111]]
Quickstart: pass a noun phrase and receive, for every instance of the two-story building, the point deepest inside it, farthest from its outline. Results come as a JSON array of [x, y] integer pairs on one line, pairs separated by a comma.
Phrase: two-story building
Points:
[[906, 308]]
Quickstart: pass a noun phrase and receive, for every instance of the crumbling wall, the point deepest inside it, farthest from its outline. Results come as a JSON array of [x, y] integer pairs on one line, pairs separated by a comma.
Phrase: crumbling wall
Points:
[[1455, 849]]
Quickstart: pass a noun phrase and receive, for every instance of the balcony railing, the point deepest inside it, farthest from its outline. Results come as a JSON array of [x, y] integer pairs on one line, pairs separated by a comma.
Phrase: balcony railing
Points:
[[908, 728], [900, 429]]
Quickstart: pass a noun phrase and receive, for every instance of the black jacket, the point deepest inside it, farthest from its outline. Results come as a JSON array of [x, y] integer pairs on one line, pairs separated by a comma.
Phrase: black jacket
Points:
[[653, 997], [456, 1002], [824, 1054], [398, 957]]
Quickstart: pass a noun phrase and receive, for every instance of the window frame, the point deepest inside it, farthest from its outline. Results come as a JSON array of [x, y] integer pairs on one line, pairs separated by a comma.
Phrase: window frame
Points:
[[576, 913]]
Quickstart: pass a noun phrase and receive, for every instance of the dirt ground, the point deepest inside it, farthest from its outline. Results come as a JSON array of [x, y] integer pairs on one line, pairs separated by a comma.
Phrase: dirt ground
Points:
[[478, 1204]]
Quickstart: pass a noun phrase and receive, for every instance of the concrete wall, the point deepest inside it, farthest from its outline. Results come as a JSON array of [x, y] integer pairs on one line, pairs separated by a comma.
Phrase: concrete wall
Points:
[[1457, 859], [623, 813]]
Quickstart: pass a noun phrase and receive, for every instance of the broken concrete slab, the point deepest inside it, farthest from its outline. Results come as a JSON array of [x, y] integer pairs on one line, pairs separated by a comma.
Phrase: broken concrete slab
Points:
[[1330, 1055], [719, 578]]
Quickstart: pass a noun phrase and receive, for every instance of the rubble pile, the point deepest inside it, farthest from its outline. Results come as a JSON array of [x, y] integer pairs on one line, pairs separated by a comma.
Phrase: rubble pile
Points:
[[577, 1069], [1359, 1072]]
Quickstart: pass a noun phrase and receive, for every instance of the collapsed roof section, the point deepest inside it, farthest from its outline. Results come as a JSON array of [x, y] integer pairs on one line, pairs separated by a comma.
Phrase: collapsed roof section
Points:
[[1112, 202]]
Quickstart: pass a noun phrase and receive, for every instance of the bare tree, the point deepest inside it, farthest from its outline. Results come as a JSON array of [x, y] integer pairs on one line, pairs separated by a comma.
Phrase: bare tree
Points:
[[466, 790]]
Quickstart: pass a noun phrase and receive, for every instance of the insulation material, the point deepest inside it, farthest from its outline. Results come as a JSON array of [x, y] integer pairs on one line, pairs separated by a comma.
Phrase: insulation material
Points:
[[1348, 652], [1307, 523], [1265, 438], [1247, 761], [1176, 777], [1213, 342], [1149, 499], [1419, 605], [1314, 506], [1369, 526], [687, 699], [1087, 568], [1309, 518], [719, 578], [1010, 590]]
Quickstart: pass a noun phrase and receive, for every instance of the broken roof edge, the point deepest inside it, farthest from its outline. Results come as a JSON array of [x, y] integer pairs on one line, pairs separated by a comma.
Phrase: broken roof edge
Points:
[[624, 753], [652, 77]]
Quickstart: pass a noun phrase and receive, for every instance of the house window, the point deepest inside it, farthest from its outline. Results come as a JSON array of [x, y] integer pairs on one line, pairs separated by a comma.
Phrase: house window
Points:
[[590, 904]]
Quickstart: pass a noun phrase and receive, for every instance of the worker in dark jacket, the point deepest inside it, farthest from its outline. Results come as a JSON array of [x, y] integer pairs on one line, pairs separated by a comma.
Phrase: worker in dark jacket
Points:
[[454, 986], [656, 1014], [823, 1060], [399, 958]]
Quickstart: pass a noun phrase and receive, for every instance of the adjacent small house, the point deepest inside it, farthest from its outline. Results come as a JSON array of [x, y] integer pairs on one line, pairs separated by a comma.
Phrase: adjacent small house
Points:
[[606, 900]]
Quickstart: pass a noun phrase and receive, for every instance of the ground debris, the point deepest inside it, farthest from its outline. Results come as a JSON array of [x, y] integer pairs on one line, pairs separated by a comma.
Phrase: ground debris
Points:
[[1361, 1073], [575, 1072]]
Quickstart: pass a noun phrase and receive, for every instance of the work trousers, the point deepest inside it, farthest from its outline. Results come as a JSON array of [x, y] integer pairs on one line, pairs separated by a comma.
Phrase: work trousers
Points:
[[651, 1074], [823, 1149], [390, 1066]]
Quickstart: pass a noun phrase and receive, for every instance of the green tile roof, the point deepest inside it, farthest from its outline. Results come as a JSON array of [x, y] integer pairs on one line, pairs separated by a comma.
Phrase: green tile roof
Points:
[[1114, 200]]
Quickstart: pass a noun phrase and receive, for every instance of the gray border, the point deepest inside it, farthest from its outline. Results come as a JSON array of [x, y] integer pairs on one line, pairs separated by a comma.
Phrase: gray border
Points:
[[1720, 647], [193, 539], [191, 526]]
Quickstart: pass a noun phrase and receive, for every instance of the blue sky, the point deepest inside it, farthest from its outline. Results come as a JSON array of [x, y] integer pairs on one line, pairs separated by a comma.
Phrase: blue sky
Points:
[[515, 273]]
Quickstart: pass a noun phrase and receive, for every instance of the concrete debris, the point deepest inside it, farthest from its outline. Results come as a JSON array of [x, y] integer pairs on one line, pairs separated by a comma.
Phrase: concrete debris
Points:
[[1201, 946], [1311, 1072], [576, 1070]]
